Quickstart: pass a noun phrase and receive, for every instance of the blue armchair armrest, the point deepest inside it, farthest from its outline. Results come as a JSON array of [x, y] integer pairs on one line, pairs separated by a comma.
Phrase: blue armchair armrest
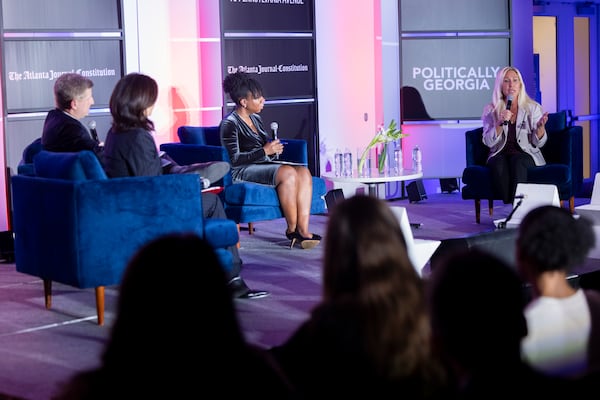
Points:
[[294, 150], [185, 154]]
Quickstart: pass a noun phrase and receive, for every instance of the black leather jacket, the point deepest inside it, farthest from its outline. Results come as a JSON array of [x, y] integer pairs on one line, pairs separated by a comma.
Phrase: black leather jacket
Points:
[[243, 145]]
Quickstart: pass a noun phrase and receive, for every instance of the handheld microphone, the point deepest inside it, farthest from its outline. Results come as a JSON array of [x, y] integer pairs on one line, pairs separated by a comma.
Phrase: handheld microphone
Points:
[[509, 100], [94, 133], [274, 128]]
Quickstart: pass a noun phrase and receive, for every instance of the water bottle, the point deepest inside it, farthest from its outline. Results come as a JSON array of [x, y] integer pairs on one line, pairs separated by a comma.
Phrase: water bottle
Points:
[[347, 163], [417, 159], [338, 160], [398, 160]]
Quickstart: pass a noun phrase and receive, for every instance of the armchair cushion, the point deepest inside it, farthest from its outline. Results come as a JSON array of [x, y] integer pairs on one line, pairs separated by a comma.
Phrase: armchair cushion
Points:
[[251, 194], [78, 166], [255, 194], [550, 173]]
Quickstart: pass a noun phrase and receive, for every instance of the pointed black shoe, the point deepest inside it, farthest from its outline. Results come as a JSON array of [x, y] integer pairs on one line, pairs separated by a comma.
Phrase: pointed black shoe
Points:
[[239, 290]]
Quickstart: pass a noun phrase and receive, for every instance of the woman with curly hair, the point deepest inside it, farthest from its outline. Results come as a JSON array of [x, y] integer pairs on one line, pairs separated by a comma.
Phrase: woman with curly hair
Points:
[[252, 154], [562, 320]]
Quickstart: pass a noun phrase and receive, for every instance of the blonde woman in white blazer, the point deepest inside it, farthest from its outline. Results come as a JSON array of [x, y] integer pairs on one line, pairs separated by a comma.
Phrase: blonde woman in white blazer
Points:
[[514, 130]]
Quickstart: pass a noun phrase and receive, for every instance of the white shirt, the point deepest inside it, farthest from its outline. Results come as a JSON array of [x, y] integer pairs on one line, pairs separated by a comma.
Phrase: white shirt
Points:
[[558, 334]]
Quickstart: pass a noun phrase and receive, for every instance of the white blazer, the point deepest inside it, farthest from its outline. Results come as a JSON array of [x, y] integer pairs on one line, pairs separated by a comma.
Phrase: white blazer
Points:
[[527, 118]]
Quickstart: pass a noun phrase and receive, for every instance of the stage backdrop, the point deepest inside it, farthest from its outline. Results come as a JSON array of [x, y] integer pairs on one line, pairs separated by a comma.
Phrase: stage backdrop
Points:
[[42, 40], [275, 42], [449, 64]]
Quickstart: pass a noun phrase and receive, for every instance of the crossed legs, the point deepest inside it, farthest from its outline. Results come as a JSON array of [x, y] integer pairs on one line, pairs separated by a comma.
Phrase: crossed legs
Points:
[[294, 189]]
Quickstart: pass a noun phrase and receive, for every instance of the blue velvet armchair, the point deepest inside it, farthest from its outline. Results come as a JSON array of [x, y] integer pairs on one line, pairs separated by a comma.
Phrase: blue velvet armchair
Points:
[[563, 153], [75, 226], [244, 202]]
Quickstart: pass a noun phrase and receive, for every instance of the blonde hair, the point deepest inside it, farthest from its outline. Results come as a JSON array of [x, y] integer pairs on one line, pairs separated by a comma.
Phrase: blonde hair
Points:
[[498, 98]]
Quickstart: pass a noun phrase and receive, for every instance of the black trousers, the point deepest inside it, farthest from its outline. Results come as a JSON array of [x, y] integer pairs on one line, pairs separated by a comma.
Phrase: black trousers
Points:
[[212, 207], [507, 170]]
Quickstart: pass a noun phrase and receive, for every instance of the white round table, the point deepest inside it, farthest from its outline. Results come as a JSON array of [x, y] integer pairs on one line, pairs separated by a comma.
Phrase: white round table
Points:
[[374, 178]]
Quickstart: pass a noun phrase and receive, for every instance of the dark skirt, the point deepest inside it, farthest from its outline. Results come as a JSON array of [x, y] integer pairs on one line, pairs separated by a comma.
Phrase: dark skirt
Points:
[[260, 173]]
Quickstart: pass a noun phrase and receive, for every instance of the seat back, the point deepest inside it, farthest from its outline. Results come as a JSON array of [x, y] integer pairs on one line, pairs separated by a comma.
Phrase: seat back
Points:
[[25, 166], [199, 135], [77, 166], [475, 151], [565, 147], [558, 147], [31, 150]]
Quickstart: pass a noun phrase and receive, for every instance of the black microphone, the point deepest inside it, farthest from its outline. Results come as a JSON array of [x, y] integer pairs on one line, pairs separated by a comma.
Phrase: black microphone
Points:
[[509, 100], [92, 126], [502, 224], [274, 128]]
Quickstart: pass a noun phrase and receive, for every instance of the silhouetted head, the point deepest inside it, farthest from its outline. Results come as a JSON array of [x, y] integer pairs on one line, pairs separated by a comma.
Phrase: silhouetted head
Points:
[[173, 302], [551, 239], [367, 274], [477, 303], [364, 249]]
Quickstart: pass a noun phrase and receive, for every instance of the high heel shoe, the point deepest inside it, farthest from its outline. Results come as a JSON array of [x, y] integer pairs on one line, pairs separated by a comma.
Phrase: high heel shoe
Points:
[[305, 243]]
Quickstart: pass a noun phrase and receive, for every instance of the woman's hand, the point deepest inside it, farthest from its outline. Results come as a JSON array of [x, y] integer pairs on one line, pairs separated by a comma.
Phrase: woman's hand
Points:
[[274, 147], [506, 115], [541, 126], [542, 120]]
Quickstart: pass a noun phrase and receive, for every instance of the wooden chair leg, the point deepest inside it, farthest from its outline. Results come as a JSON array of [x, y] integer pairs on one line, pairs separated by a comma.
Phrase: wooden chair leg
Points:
[[491, 207], [100, 304], [572, 204], [250, 228], [238, 228], [48, 293], [477, 211]]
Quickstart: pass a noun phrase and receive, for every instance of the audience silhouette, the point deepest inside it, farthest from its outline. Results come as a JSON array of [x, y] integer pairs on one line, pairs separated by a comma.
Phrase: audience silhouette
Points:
[[563, 321], [370, 334], [182, 341], [477, 304]]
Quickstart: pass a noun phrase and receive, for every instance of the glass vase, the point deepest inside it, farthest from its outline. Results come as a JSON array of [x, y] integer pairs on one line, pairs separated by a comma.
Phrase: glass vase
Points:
[[383, 160]]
